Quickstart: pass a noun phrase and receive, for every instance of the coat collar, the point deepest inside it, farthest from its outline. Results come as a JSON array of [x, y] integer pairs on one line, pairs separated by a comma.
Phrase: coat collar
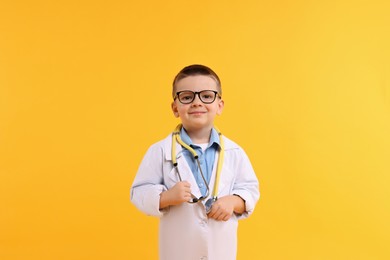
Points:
[[167, 146]]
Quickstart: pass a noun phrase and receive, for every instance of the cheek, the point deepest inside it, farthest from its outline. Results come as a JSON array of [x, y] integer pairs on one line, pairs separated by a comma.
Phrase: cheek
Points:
[[181, 110]]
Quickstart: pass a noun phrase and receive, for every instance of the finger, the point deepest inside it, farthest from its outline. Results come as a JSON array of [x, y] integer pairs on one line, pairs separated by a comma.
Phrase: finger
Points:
[[217, 208], [186, 184], [226, 218], [218, 216], [187, 193], [216, 211], [212, 211], [223, 216], [186, 196]]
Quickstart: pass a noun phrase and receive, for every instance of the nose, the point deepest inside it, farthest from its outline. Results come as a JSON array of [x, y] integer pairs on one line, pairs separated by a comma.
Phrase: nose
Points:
[[196, 100]]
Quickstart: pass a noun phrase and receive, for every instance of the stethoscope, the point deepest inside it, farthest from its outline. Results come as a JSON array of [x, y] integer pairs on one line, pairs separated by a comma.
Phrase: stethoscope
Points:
[[176, 139]]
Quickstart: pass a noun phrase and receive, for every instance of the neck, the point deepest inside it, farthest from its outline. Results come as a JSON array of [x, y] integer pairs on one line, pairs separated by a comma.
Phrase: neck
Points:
[[199, 136]]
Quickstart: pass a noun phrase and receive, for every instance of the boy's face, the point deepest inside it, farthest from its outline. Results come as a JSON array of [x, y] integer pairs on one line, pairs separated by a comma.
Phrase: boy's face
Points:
[[197, 115]]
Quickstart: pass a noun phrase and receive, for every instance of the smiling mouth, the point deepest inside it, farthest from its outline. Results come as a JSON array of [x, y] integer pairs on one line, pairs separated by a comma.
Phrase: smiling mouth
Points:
[[197, 113]]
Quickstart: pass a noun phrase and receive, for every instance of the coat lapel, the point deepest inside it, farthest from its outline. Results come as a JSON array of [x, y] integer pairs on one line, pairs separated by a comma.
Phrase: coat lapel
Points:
[[222, 180], [226, 174], [186, 173]]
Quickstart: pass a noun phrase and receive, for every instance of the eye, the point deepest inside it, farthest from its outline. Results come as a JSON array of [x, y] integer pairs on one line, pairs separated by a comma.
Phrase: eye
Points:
[[186, 96], [208, 95]]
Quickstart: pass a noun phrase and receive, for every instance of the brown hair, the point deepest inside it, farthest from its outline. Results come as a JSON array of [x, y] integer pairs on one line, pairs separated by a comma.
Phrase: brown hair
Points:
[[194, 70]]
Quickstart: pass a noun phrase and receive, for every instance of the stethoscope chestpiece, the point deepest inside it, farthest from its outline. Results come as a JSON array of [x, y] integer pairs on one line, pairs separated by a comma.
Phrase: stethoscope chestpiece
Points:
[[209, 204]]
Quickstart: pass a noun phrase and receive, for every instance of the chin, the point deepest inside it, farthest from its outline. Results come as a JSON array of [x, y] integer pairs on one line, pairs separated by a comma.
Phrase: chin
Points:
[[199, 125]]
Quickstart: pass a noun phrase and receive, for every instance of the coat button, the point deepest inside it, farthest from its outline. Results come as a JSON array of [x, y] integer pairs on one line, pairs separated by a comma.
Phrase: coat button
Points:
[[203, 223]]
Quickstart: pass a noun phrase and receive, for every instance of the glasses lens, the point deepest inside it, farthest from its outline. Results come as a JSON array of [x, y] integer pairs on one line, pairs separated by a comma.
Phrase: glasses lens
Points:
[[207, 96], [186, 97]]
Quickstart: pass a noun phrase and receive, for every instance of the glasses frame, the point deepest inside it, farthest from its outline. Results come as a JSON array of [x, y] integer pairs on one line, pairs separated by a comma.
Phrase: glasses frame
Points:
[[216, 94]]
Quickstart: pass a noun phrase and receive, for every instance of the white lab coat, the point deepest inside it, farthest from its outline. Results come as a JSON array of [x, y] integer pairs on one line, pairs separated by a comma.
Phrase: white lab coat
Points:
[[185, 231]]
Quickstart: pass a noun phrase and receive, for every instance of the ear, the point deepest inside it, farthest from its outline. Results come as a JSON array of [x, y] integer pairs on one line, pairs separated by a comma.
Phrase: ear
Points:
[[221, 104], [174, 109]]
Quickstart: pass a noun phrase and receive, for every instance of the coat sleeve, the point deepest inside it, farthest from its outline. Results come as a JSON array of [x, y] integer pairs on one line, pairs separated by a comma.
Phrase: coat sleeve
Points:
[[246, 184], [148, 183]]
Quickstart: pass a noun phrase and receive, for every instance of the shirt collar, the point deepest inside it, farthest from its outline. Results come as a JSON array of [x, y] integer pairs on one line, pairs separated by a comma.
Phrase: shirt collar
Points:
[[214, 137]]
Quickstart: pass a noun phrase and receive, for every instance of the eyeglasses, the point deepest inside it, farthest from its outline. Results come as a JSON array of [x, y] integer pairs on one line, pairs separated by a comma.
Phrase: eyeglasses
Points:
[[206, 96]]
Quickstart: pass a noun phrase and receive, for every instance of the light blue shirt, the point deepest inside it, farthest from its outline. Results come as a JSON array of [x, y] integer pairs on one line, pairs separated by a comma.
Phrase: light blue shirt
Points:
[[206, 158]]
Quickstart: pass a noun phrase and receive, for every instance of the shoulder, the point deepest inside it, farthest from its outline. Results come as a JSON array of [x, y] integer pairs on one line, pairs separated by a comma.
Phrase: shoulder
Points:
[[230, 144], [162, 145], [233, 149], [235, 155], [167, 141]]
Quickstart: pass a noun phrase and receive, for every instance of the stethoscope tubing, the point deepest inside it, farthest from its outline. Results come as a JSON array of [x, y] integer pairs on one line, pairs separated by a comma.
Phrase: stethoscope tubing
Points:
[[176, 139]]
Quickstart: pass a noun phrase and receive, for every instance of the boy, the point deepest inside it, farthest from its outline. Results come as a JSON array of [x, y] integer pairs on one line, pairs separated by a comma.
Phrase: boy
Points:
[[197, 181]]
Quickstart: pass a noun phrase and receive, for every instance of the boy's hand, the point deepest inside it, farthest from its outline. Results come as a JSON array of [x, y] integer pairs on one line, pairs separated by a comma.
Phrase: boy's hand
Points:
[[179, 193], [224, 207]]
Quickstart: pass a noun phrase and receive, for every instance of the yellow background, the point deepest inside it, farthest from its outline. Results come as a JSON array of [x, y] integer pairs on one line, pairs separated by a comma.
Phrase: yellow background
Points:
[[85, 89]]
